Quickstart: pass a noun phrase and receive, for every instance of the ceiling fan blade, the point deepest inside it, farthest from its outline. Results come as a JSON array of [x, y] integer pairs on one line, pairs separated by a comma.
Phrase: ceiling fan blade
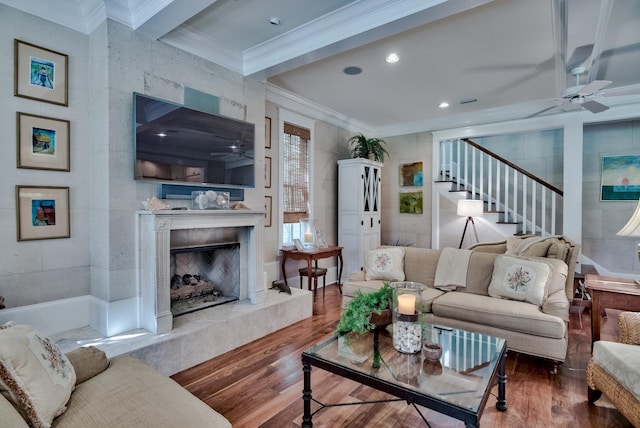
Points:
[[579, 56], [594, 86], [594, 106]]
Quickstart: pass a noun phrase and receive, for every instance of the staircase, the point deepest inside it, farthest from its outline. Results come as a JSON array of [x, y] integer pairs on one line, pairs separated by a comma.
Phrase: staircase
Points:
[[520, 202]]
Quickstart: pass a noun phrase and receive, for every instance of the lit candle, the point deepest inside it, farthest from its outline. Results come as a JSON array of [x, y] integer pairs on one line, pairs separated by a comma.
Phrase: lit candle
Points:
[[406, 304], [308, 237]]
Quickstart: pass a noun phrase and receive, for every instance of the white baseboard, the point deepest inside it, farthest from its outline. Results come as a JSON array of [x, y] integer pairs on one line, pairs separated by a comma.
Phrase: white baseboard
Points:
[[109, 318]]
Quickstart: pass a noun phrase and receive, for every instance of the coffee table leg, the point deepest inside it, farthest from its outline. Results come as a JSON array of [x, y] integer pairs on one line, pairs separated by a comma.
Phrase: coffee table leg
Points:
[[502, 383], [306, 396]]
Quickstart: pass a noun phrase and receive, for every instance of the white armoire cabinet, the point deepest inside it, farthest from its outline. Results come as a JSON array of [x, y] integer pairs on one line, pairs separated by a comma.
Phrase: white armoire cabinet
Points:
[[358, 210]]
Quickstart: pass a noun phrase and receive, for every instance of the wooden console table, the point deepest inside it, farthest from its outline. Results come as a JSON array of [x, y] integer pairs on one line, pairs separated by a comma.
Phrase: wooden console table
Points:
[[613, 293], [313, 255]]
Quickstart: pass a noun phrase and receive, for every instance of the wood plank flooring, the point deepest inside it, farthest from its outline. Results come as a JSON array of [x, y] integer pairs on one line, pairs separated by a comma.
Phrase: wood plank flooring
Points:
[[260, 384]]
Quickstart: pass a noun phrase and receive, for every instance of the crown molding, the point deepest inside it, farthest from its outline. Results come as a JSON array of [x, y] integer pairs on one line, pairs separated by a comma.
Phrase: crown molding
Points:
[[293, 102]]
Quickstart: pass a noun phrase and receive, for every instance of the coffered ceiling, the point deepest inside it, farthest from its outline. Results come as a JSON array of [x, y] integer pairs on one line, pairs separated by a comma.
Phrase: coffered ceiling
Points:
[[491, 60]]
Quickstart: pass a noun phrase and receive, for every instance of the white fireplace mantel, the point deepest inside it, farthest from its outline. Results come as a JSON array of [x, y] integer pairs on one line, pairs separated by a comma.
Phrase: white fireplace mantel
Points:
[[153, 243]]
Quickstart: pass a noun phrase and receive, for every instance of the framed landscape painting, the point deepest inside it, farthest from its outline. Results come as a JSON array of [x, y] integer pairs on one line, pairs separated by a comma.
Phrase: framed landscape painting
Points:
[[43, 142], [620, 178], [40, 73], [42, 212], [411, 202]]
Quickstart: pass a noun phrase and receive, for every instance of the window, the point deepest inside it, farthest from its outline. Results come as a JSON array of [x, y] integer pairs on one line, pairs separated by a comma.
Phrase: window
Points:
[[296, 173]]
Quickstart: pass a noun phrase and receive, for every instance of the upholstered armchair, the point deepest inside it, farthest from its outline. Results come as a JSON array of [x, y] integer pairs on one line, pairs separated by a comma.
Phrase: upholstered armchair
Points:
[[614, 369]]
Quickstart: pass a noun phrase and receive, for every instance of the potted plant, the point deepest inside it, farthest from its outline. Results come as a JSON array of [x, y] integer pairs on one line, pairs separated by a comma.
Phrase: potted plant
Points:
[[365, 312], [368, 148]]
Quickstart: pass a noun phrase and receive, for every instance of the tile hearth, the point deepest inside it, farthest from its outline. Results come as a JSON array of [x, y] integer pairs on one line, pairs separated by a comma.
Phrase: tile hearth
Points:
[[201, 335]]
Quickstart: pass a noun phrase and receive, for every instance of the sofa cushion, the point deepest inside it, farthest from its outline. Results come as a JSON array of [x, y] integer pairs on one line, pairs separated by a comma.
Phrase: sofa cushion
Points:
[[34, 375], [9, 416], [520, 279], [385, 264], [621, 361], [87, 362], [132, 394], [510, 315]]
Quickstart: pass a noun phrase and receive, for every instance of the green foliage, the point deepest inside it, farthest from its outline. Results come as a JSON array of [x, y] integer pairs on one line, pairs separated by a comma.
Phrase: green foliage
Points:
[[356, 317], [365, 147]]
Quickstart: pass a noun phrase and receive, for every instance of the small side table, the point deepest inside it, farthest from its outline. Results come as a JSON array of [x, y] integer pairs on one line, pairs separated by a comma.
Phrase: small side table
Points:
[[312, 256], [613, 293]]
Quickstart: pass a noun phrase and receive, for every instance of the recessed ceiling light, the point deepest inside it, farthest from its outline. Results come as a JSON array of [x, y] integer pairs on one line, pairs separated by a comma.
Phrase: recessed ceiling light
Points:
[[352, 70], [443, 104], [274, 20], [392, 58]]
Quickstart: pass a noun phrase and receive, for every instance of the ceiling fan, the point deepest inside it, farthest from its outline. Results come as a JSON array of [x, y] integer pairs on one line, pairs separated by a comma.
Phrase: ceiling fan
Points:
[[579, 96]]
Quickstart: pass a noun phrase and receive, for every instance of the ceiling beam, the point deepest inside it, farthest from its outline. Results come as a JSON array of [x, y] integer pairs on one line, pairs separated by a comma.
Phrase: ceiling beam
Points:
[[155, 18], [601, 31]]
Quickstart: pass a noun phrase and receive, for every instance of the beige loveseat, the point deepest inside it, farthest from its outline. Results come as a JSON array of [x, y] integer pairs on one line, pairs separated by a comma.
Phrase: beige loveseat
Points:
[[124, 392], [539, 330]]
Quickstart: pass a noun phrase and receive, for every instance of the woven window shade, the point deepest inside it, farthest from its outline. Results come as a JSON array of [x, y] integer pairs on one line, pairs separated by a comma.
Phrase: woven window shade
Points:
[[296, 173]]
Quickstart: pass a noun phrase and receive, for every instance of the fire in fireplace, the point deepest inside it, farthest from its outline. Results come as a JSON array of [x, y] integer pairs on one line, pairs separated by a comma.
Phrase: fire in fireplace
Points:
[[204, 276]]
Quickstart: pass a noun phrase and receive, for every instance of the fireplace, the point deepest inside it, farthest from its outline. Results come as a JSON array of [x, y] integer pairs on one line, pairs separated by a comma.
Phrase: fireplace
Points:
[[204, 276], [164, 235]]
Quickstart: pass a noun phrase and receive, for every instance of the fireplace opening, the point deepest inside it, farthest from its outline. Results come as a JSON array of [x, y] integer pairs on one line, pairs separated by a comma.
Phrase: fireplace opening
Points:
[[204, 276]]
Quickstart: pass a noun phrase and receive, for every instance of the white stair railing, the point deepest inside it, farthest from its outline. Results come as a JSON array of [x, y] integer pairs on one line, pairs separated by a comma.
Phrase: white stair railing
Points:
[[519, 196]]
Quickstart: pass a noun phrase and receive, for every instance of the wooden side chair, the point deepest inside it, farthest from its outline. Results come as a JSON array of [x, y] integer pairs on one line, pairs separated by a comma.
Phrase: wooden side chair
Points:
[[315, 273]]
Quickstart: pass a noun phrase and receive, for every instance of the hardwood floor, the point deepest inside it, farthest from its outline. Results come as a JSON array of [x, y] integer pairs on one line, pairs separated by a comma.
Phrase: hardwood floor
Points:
[[260, 384]]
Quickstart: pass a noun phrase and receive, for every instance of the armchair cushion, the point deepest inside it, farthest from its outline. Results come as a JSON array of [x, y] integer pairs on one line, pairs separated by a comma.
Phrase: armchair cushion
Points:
[[621, 361]]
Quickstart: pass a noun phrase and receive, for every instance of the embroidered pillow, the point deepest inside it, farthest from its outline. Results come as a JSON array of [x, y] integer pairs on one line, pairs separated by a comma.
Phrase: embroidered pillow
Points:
[[385, 264], [34, 375], [518, 278]]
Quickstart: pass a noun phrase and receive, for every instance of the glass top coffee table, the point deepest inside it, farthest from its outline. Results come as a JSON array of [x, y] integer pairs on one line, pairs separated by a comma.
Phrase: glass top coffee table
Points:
[[458, 384]]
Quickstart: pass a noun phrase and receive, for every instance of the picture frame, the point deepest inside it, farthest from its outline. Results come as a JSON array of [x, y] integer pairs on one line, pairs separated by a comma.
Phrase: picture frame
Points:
[[267, 132], [40, 73], [267, 211], [411, 202], [43, 142], [299, 245], [42, 212], [267, 172], [620, 178], [411, 174]]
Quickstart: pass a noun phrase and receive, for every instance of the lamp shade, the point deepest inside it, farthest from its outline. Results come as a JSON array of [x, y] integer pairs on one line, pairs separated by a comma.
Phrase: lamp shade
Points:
[[470, 208], [632, 228]]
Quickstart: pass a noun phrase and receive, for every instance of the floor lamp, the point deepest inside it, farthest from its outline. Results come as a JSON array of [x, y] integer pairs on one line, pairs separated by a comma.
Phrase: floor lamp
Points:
[[470, 208]]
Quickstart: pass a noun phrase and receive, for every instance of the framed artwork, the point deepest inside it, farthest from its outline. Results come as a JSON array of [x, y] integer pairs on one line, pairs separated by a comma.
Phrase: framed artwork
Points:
[[267, 132], [267, 211], [267, 172], [43, 142], [620, 178], [40, 73], [299, 245], [411, 174], [411, 202], [42, 212]]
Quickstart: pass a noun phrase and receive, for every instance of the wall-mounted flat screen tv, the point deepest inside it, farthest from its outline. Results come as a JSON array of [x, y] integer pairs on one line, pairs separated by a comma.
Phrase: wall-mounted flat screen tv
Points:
[[175, 144]]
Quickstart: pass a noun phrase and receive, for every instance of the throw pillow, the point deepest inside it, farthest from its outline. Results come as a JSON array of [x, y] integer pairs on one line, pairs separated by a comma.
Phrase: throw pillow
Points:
[[518, 278], [385, 264], [34, 375]]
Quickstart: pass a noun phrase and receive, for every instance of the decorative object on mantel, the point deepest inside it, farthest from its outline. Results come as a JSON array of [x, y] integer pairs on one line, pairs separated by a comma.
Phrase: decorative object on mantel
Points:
[[239, 206], [155, 204], [367, 148], [209, 199], [280, 285]]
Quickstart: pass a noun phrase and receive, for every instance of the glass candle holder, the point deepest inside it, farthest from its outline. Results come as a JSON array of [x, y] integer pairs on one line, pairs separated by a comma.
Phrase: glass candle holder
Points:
[[308, 233], [407, 316]]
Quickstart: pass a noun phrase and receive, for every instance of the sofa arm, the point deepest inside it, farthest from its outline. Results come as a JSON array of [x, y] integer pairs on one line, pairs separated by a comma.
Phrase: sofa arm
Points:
[[629, 324], [357, 276], [557, 304], [87, 362]]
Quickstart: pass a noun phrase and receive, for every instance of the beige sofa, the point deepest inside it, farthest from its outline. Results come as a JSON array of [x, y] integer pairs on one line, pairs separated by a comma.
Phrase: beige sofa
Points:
[[539, 330], [124, 392]]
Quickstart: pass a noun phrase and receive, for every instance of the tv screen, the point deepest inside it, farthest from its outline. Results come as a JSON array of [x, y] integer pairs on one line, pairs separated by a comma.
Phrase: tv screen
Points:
[[176, 144]]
